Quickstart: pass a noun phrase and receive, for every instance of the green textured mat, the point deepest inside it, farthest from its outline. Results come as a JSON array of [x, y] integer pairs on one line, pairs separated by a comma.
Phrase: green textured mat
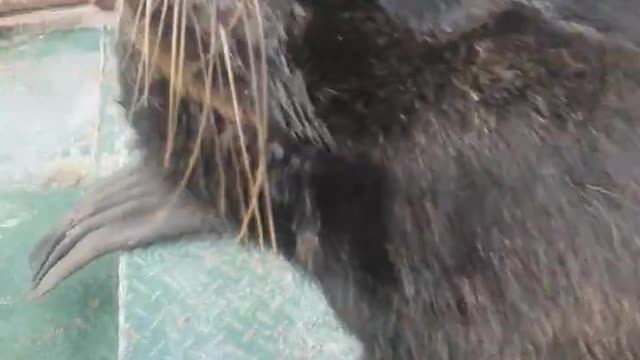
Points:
[[215, 300]]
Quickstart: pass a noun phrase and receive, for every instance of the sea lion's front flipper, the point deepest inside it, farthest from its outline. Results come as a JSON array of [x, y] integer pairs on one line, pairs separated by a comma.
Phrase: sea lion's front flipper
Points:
[[131, 209]]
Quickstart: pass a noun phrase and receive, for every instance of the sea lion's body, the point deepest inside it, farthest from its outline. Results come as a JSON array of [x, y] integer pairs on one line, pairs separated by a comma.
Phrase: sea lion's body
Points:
[[455, 197]]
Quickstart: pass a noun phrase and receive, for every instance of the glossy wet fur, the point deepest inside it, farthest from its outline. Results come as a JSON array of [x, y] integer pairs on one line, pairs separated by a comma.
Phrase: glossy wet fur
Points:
[[479, 198]]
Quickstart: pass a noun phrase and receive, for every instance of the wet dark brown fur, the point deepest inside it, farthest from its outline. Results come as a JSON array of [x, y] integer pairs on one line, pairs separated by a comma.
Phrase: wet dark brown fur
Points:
[[456, 195]]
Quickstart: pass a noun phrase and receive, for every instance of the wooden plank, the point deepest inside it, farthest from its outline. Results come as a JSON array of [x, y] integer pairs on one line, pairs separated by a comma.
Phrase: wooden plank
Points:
[[21, 6], [83, 16]]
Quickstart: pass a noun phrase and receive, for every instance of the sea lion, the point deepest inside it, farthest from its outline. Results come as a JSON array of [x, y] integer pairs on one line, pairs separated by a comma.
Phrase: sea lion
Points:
[[456, 193]]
